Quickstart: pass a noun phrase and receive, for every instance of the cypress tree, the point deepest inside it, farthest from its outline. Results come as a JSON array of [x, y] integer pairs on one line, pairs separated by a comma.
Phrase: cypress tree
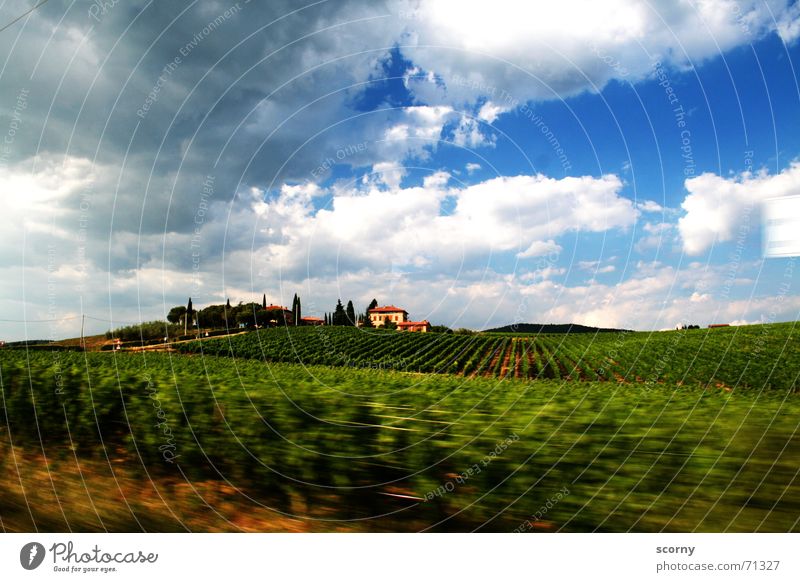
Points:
[[187, 317], [367, 322], [339, 316], [351, 314], [295, 310], [264, 301], [299, 310]]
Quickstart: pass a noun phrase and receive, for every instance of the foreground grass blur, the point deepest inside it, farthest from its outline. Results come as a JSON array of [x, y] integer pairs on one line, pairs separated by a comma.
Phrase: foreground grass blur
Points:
[[160, 442]]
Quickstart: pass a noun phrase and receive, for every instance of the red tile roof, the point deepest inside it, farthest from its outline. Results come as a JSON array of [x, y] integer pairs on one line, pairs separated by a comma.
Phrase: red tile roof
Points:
[[311, 318], [271, 307], [387, 309], [408, 323]]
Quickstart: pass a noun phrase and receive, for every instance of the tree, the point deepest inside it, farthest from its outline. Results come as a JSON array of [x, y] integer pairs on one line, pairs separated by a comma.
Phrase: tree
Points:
[[299, 313], [246, 314], [339, 315], [212, 316], [296, 309], [367, 320], [189, 316], [264, 301], [176, 314], [350, 313], [441, 329], [226, 314]]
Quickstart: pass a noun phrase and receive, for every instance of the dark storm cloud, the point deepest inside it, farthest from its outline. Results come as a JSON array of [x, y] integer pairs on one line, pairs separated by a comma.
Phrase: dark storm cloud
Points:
[[162, 95]]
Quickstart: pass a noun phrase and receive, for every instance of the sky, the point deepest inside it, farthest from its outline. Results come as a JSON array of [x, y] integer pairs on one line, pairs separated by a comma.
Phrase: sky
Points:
[[478, 164]]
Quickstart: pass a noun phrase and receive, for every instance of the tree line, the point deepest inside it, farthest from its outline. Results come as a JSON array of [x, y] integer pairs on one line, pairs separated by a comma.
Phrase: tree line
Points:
[[251, 314], [346, 316]]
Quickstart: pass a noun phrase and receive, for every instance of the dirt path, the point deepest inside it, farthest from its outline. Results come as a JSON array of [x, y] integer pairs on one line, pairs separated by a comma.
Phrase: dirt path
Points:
[[506, 359]]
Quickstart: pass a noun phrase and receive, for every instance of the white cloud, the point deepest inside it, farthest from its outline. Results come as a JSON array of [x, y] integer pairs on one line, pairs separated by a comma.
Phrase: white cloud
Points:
[[553, 50], [468, 134], [539, 248], [649, 206], [717, 207], [659, 235], [369, 227], [490, 111], [389, 173], [415, 133], [789, 24], [597, 266], [472, 167]]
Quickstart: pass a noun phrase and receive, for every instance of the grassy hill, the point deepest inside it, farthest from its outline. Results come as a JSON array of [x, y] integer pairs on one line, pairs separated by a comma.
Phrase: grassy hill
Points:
[[538, 328], [758, 356]]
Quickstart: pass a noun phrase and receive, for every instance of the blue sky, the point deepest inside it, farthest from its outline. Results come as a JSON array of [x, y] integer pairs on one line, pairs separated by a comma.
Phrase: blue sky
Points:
[[478, 165]]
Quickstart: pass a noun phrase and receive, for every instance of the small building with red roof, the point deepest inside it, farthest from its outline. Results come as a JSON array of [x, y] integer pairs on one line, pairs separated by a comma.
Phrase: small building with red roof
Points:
[[421, 326]]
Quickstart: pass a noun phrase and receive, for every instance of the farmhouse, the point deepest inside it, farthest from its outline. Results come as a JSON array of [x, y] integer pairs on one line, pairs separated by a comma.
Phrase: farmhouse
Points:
[[421, 326], [311, 321], [379, 316], [288, 316]]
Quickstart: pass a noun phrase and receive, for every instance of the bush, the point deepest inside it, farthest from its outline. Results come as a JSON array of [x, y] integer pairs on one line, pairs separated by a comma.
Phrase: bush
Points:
[[149, 330]]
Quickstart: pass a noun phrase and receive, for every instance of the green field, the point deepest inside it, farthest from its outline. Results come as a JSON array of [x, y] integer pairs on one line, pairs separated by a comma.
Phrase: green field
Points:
[[758, 356], [694, 431]]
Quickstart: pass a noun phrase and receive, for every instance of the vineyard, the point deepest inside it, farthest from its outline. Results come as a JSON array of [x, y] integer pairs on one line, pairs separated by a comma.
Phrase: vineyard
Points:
[[758, 356], [342, 449]]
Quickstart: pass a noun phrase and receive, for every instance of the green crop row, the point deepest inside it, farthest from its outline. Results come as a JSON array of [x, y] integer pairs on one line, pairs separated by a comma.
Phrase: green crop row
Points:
[[758, 356]]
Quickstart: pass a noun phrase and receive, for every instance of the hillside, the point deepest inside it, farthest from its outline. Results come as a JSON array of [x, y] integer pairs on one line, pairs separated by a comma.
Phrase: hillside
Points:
[[758, 356], [525, 328]]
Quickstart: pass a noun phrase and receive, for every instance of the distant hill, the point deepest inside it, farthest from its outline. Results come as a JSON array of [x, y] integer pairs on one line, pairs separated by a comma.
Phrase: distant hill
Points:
[[550, 328]]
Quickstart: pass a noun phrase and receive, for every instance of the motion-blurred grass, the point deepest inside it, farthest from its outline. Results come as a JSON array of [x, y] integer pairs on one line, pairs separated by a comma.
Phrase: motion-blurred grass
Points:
[[260, 447]]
